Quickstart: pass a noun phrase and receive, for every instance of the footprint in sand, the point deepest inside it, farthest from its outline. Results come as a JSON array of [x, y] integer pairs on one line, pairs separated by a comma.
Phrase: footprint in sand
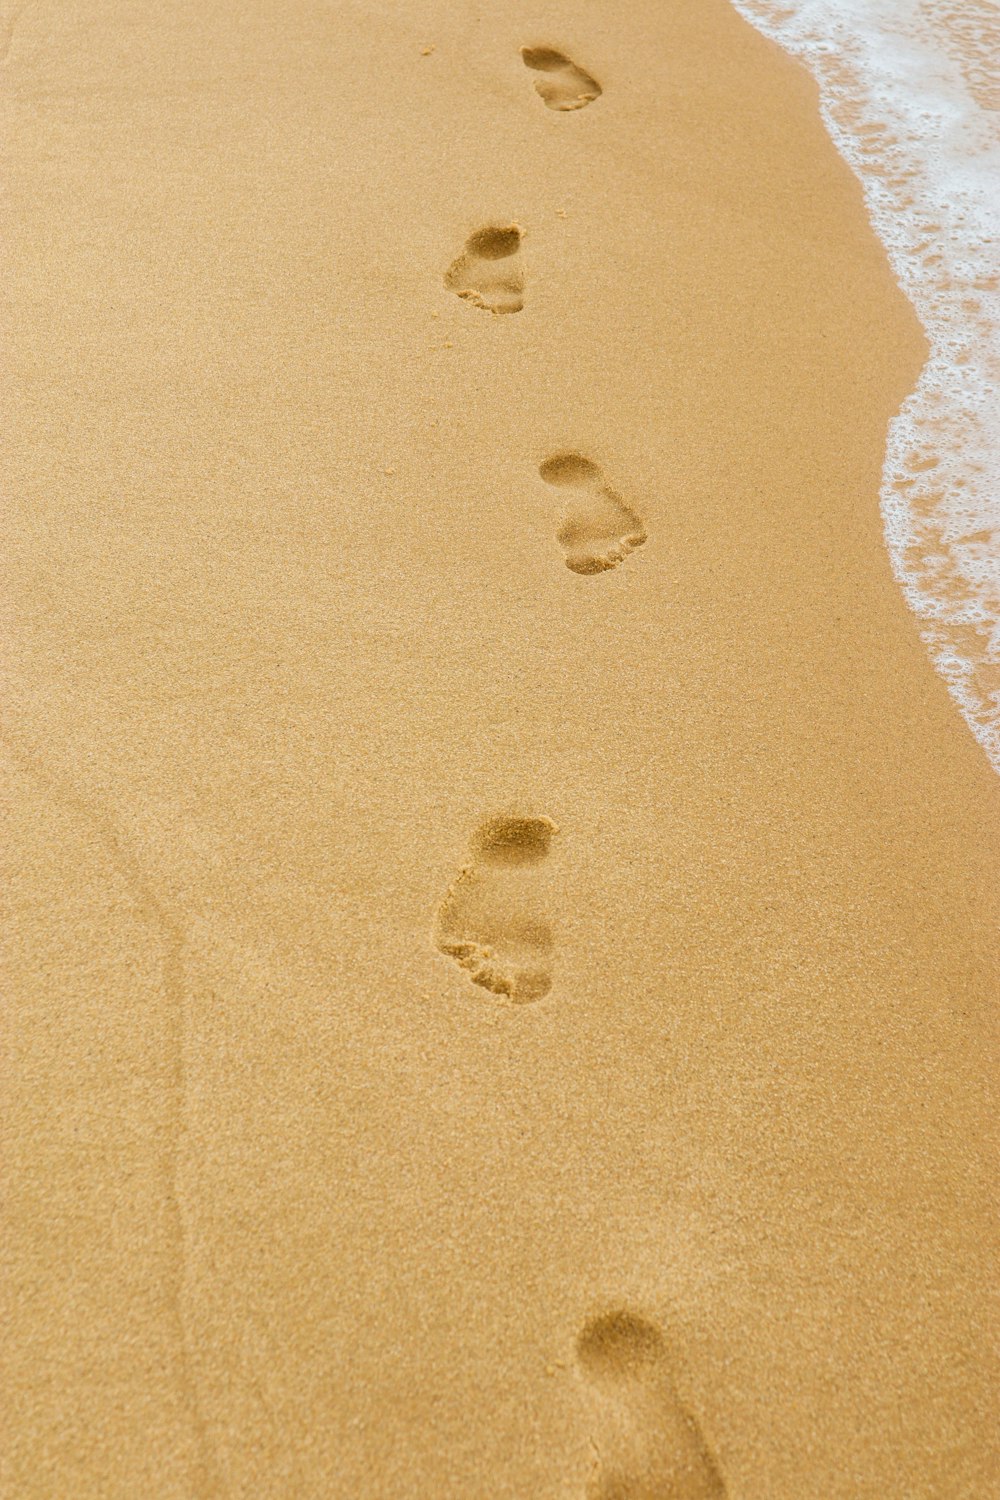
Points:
[[564, 85], [488, 271], [599, 529], [648, 1446], [492, 920]]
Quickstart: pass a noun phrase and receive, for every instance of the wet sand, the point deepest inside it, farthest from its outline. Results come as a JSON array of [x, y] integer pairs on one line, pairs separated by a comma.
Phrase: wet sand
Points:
[[298, 1207]]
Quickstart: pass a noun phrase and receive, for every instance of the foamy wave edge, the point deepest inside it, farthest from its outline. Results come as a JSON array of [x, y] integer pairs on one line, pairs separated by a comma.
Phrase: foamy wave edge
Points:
[[910, 102]]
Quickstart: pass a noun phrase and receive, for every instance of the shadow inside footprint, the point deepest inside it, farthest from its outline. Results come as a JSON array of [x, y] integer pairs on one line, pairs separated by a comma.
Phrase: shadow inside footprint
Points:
[[648, 1445], [491, 921], [599, 529], [563, 85], [488, 271]]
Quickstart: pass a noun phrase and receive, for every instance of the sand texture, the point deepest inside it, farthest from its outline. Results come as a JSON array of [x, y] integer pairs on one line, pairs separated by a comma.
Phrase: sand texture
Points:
[[500, 953]]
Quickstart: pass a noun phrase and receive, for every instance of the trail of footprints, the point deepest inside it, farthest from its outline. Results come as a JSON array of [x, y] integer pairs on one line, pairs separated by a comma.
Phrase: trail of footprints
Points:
[[495, 919]]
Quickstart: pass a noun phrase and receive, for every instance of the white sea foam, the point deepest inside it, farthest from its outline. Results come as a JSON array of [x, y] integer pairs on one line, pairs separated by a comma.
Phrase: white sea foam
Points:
[[910, 92]]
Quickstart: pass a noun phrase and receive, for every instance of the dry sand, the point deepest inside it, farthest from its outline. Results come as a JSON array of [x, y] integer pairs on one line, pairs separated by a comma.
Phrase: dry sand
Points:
[[295, 1208]]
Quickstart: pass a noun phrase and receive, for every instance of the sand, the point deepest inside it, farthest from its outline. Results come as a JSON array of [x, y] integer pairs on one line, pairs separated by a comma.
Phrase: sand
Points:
[[295, 1206]]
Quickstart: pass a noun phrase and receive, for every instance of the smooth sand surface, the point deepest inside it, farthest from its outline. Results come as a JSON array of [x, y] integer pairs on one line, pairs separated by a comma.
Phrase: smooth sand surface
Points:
[[295, 1208]]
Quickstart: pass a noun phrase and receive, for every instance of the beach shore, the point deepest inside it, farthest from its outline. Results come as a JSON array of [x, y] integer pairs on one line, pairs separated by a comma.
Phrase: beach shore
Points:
[[296, 1208]]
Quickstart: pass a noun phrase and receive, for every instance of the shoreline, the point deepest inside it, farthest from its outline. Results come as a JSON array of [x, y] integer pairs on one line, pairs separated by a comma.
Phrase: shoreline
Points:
[[910, 108]]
